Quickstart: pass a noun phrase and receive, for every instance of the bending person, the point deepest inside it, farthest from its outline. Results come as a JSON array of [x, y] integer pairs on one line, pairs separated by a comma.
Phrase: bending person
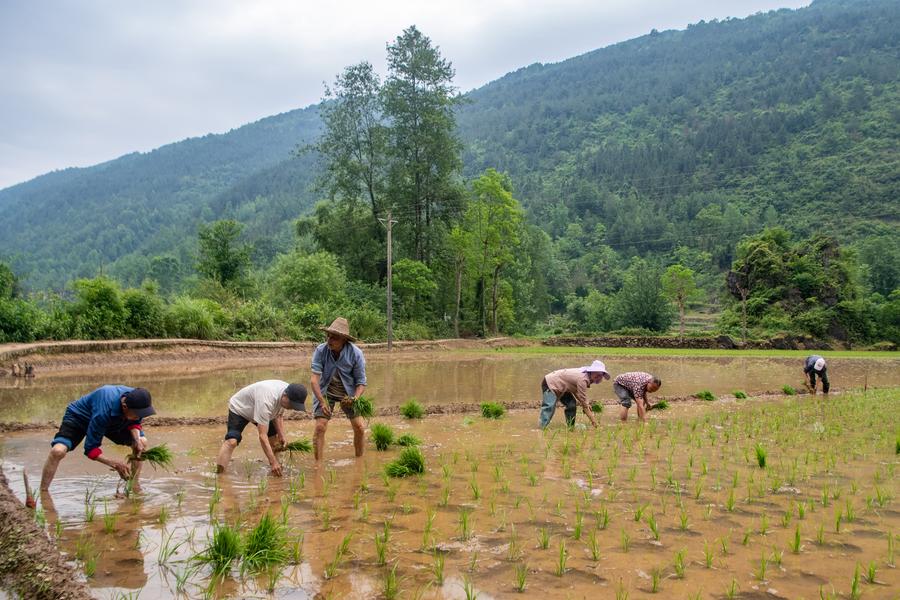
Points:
[[569, 387], [338, 375], [815, 365], [112, 411], [634, 387], [261, 403]]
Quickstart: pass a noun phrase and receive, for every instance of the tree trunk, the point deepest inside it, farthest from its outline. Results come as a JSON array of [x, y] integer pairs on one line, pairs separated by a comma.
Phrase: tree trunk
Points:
[[681, 321], [459, 270], [494, 300]]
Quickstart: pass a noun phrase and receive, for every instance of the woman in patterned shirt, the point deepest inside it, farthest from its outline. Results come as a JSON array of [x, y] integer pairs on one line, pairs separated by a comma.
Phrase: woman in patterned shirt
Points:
[[635, 386]]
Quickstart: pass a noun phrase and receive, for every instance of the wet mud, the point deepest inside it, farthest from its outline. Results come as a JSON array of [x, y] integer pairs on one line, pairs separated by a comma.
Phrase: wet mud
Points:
[[677, 508]]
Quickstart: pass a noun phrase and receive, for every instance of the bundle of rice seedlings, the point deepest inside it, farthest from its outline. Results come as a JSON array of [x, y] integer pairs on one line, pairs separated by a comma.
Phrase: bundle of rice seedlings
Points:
[[788, 390], [224, 549], [740, 394], [265, 545], [410, 462], [382, 436], [158, 456], [363, 407], [412, 410], [408, 439], [301, 445], [705, 395], [596, 407], [492, 410], [661, 405]]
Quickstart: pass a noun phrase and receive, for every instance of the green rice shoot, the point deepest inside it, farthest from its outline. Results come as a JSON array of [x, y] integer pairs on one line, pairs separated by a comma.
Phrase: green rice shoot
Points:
[[158, 456], [705, 395], [265, 545], [301, 445], [410, 462], [492, 410], [740, 395], [661, 405], [596, 407], [788, 390], [408, 439], [412, 410], [223, 550], [382, 436], [363, 407]]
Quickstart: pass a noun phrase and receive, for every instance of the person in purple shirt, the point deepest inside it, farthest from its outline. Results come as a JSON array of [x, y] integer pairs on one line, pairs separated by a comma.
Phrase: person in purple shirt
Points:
[[338, 375], [112, 411]]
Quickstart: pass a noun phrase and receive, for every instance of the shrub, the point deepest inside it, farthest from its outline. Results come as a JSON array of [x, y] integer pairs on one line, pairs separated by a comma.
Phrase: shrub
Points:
[[705, 395], [788, 390], [20, 321], [144, 313], [739, 395], [492, 410], [412, 410], [98, 312], [191, 318], [413, 330], [382, 436]]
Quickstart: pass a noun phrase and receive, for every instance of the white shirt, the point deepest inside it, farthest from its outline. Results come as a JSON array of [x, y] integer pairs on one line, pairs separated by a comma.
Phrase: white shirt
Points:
[[259, 402]]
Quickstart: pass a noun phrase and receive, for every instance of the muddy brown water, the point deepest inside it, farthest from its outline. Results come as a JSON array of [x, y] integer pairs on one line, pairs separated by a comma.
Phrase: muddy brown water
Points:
[[619, 504], [435, 378]]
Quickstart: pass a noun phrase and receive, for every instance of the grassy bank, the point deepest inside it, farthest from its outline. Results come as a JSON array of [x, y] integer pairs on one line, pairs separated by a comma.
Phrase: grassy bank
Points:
[[610, 351]]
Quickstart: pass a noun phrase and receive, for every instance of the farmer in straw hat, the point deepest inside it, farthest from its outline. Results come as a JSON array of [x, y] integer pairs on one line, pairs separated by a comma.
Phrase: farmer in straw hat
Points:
[[112, 411], [261, 403], [338, 375], [569, 387], [815, 365]]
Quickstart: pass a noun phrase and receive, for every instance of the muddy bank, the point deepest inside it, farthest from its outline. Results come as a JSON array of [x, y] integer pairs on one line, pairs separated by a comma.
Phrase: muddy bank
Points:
[[187, 356], [30, 565], [384, 411]]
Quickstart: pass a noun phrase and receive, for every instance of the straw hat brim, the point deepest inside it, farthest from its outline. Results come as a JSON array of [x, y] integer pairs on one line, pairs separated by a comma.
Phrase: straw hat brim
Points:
[[346, 336]]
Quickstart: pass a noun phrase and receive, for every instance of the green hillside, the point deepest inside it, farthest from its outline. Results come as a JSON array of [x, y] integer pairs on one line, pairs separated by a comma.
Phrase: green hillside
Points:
[[691, 138]]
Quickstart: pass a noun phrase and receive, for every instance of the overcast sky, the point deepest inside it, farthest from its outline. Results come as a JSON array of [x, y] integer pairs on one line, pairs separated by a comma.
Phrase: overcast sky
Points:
[[85, 81]]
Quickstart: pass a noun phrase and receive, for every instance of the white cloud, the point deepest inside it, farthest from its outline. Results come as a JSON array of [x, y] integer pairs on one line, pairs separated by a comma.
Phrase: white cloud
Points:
[[88, 81]]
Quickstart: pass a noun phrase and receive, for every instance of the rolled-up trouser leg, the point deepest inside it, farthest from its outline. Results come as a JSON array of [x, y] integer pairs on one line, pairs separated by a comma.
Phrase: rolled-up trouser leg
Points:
[[548, 407]]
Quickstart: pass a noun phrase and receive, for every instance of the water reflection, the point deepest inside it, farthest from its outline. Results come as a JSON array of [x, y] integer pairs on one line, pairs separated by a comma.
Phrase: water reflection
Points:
[[443, 379]]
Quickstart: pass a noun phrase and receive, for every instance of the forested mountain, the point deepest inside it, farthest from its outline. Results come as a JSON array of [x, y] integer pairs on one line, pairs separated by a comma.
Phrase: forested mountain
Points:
[[687, 138]]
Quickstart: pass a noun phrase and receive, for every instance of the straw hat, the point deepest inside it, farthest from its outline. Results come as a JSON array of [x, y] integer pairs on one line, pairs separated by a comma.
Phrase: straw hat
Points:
[[596, 367], [340, 327]]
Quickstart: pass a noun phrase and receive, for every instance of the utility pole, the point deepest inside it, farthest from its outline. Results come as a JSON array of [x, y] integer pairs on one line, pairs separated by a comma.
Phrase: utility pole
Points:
[[389, 223]]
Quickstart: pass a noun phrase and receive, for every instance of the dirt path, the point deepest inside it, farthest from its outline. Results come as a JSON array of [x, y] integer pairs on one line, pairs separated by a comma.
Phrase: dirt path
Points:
[[30, 565]]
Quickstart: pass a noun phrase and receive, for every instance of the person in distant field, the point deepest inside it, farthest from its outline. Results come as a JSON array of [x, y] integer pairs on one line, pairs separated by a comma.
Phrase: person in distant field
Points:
[[815, 365], [261, 403], [112, 411], [338, 375], [634, 387], [569, 388]]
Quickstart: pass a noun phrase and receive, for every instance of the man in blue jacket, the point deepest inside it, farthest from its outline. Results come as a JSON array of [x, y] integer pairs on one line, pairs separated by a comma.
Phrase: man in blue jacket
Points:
[[338, 376], [111, 411]]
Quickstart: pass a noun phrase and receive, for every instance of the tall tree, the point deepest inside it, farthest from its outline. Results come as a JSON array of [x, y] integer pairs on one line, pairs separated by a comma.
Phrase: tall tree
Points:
[[640, 302], [222, 258], [354, 142], [419, 101], [679, 287]]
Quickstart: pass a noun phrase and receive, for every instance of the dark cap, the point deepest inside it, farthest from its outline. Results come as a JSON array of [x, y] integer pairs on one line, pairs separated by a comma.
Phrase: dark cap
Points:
[[296, 395], [138, 401]]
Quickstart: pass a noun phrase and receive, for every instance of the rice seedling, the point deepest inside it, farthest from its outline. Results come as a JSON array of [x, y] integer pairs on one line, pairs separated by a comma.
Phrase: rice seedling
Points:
[[363, 407], [729, 502], [561, 561], [390, 585], [109, 520], [788, 390], [707, 555], [166, 548], [820, 535], [777, 557], [602, 517], [838, 518], [492, 410], [476, 490], [382, 436], [597, 408], [265, 545], [683, 523], [594, 546], [626, 540], [870, 572], [705, 395], [521, 577], [731, 590], [296, 549], [654, 580], [300, 445], [445, 496], [679, 563], [746, 540], [639, 512], [543, 538], [890, 549], [381, 541], [411, 461], [90, 512], [849, 513], [158, 456], [795, 541], [654, 527], [223, 550], [411, 409], [464, 523], [855, 592], [739, 395], [764, 524], [621, 592], [408, 439], [473, 561], [761, 457], [437, 568], [469, 589]]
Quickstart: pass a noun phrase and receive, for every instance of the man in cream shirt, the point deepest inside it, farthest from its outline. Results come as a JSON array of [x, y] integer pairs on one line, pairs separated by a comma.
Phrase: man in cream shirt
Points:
[[261, 403]]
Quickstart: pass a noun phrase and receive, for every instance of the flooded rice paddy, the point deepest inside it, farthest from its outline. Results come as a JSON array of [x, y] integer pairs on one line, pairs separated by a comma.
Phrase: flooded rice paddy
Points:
[[677, 508]]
